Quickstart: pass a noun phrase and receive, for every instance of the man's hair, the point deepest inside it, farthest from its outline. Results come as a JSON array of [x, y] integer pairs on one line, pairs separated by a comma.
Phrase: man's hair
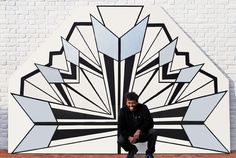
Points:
[[131, 96]]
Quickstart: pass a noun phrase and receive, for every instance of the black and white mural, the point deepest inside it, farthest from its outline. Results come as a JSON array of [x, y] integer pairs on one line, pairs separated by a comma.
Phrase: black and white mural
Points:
[[66, 97]]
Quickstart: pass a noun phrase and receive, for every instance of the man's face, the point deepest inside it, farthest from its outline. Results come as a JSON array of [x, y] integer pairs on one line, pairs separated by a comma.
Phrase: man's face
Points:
[[131, 104]]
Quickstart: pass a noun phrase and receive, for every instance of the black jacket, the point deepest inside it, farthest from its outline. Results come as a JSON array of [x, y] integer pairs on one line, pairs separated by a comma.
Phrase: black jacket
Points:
[[130, 121]]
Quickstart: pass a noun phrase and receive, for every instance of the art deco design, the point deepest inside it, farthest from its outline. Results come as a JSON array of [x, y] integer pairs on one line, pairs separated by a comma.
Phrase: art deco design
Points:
[[71, 102]]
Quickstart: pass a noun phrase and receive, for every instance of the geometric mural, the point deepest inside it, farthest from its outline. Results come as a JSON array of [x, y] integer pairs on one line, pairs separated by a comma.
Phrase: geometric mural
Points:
[[66, 97]]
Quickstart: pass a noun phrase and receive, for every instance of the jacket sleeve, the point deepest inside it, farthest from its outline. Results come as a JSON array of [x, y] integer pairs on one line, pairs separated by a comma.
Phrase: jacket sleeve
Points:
[[148, 120], [122, 125]]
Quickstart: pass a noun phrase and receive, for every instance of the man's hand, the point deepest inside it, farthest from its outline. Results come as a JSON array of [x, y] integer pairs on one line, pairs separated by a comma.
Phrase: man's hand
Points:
[[135, 137], [132, 140], [137, 134]]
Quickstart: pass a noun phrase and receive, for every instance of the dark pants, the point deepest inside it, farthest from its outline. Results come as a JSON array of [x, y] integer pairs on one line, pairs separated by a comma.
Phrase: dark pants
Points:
[[150, 137]]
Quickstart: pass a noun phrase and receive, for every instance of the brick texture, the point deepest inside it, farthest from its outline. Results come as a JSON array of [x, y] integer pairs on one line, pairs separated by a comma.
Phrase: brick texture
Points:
[[24, 25]]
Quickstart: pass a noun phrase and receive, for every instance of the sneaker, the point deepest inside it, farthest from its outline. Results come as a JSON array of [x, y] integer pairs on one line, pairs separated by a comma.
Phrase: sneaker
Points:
[[132, 153], [149, 156]]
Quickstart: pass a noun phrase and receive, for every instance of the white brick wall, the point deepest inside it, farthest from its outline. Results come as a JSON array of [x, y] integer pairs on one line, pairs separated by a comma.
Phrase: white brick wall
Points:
[[24, 25]]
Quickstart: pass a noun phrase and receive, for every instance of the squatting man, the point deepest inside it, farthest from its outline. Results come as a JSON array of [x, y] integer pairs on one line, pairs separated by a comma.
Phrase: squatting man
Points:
[[135, 124]]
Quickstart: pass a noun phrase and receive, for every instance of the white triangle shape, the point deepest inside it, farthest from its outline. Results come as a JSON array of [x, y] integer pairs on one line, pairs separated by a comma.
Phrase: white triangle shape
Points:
[[100, 88], [141, 81], [201, 85], [40, 81], [35, 92], [159, 100], [86, 90], [198, 81], [150, 90], [124, 17], [78, 42], [205, 90], [160, 42], [150, 36], [82, 103], [89, 37]]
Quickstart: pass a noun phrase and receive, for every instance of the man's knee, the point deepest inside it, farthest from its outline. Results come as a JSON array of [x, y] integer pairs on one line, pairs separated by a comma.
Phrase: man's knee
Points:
[[121, 140], [153, 132]]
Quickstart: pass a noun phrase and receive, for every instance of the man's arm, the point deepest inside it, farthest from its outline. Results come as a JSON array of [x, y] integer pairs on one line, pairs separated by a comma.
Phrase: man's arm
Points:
[[137, 134], [122, 125], [148, 123]]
